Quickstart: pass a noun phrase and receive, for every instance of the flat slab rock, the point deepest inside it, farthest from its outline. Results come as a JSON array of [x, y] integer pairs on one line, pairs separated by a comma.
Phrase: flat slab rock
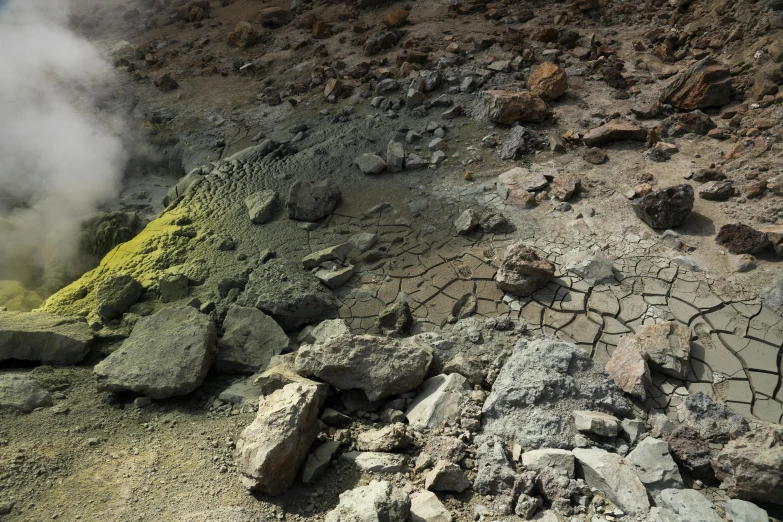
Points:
[[614, 476], [168, 354], [614, 130], [22, 393], [45, 338], [379, 366], [541, 384], [292, 296]]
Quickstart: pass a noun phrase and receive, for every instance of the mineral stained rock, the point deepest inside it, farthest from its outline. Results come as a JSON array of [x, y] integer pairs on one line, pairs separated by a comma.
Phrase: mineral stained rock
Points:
[[707, 83]]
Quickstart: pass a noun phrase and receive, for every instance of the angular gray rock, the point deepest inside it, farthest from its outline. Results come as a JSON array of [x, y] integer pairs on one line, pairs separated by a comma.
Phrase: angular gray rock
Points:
[[395, 156], [168, 354], [389, 438], [22, 393], [425, 507], [173, 287], [665, 208], [495, 474], [744, 511], [559, 460], [594, 266], [323, 331], [375, 461], [655, 467], [542, 382], [312, 201], [596, 422], [317, 461], [292, 296], [438, 402], [615, 477], [523, 271], [446, 476], [378, 501], [250, 341], [370, 163], [273, 447], [262, 206], [713, 421], [467, 222], [45, 338], [668, 346], [379, 366], [281, 372], [686, 504], [115, 294]]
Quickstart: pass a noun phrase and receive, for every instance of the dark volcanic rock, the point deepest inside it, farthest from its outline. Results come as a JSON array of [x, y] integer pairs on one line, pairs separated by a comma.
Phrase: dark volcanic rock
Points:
[[741, 239], [717, 190], [691, 451], [311, 201], [521, 142], [707, 83], [665, 208], [750, 466]]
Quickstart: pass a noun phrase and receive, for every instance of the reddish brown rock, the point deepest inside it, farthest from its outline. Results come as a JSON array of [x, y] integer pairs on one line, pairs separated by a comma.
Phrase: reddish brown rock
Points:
[[548, 81], [594, 155], [668, 346], [396, 17], [509, 107], [564, 186], [707, 83], [615, 130], [628, 368], [243, 36], [738, 238]]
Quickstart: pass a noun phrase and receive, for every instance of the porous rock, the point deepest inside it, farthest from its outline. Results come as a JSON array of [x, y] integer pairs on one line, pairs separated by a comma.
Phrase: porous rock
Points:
[[665, 208]]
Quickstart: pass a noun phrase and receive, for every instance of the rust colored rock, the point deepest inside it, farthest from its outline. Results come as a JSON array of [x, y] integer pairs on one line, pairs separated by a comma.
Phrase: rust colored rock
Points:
[[750, 466], [594, 155], [244, 36], [707, 83], [509, 107], [738, 238], [396, 17], [615, 130], [321, 30], [628, 368], [523, 271], [564, 186], [691, 451], [548, 81]]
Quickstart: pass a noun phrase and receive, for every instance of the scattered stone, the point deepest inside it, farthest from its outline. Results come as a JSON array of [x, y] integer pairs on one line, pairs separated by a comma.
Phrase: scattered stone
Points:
[[595, 267], [317, 462], [628, 368], [523, 271], [542, 382], [243, 36], [686, 504], [743, 263], [45, 338], [655, 466], [312, 201], [167, 355], [668, 346], [377, 365], [691, 451], [496, 475], [240, 392], [446, 476], [717, 190], [713, 421], [596, 422], [523, 178], [706, 83], [438, 402], [665, 208], [396, 318], [336, 253], [548, 81], [363, 241], [250, 341], [614, 130], [389, 438], [375, 461], [564, 186], [467, 222], [425, 507], [739, 238], [521, 142], [559, 460], [292, 296], [273, 447], [594, 155], [614, 476], [22, 393], [395, 156], [507, 108], [116, 294], [173, 287], [634, 429], [262, 206], [378, 501]]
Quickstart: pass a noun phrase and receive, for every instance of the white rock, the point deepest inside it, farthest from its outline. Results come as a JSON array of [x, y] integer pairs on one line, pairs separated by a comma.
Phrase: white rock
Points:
[[560, 460], [596, 422], [425, 507], [688, 504], [438, 401], [743, 511]]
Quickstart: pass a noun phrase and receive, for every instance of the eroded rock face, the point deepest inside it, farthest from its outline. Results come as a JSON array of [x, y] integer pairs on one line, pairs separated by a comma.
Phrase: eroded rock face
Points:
[[272, 449], [548, 81], [250, 341], [168, 354], [45, 338], [292, 296], [378, 501], [379, 366], [707, 83], [665, 208], [311, 201], [539, 386], [508, 107], [523, 271], [739, 238], [749, 467]]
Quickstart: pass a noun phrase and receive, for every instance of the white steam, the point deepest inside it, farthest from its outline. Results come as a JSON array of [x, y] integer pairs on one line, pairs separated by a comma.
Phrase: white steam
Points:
[[59, 158]]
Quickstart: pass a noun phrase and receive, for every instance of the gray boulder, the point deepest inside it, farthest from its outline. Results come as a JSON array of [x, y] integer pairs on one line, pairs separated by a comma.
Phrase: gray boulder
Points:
[[370, 163], [615, 477], [655, 467], [542, 382], [686, 504], [250, 341], [292, 296], [311, 201], [274, 446], [168, 354], [713, 421], [596, 422], [744, 511], [115, 294], [378, 501], [45, 338], [446, 476], [559, 460], [261, 206], [495, 474], [438, 402], [379, 366], [594, 266], [22, 393]]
